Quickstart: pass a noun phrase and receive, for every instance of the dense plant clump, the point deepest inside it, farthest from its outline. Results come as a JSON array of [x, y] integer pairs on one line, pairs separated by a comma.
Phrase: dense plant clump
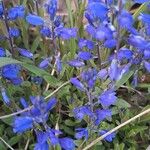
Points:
[[67, 80]]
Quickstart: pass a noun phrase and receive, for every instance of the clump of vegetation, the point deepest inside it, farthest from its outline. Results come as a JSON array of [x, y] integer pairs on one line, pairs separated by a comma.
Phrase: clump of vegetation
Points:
[[77, 79]]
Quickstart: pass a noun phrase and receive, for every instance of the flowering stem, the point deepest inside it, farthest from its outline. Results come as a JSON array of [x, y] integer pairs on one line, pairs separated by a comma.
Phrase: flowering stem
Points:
[[116, 128], [37, 7], [7, 28], [118, 29], [99, 56]]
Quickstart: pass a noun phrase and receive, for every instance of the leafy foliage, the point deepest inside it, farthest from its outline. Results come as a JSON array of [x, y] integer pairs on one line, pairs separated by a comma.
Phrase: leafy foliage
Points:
[[92, 61]]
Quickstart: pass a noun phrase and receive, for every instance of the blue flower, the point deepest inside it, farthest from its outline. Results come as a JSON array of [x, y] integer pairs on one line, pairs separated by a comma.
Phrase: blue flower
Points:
[[76, 63], [44, 63], [41, 146], [113, 70], [14, 32], [11, 71], [1, 9], [103, 33], [2, 52], [82, 111], [82, 132], [16, 12], [135, 80], [51, 104], [147, 66], [125, 53], [85, 43], [23, 102], [108, 138], [45, 31], [53, 138], [41, 109], [102, 74], [122, 70], [85, 55], [137, 41], [147, 54], [22, 124], [58, 64], [89, 77], [110, 43], [125, 20], [145, 18], [91, 30], [97, 11], [17, 81], [57, 21], [5, 97], [141, 1], [34, 20], [67, 143], [25, 53], [101, 115], [66, 33], [42, 143], [51, 8], [77, 84], [107, 98]]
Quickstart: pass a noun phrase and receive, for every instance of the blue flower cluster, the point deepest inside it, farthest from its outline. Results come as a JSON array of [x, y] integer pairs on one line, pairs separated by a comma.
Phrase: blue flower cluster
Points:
[[38, 115], [109, 25]]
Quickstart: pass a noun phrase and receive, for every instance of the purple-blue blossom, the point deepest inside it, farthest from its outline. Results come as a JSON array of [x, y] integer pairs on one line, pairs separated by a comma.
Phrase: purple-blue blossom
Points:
[[22, 123], [67, 143], [66, 33], [44, 63], [14, 32], [16, 12], [1, 9], [107, 98], [82, 133], [5, 97], [77, 84], [101, 115], [51, 8], [147, 65], [97, 11], [25, 53], [85, 55], [35, 20], [76, 63], [85, 43], [125, 20], [11, 71], [46, 32], [2, 52], [82, 111]]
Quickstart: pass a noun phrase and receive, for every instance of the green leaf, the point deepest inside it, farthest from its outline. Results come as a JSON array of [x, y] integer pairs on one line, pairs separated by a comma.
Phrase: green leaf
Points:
[[14, 140], [135, 130], [70, 123], [122, 104], [5, 61], [124, 79], [30, 67], [35, 43], [146, 117], [2, 146]]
